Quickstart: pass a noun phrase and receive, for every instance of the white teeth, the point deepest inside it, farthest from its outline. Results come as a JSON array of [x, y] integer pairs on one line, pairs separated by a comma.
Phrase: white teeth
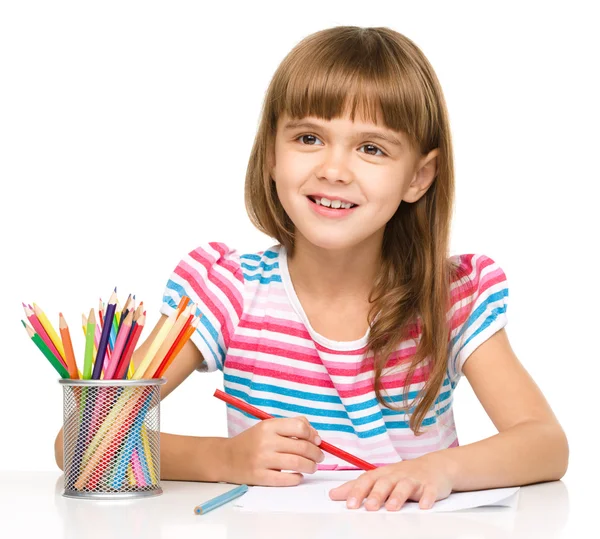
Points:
[[333, 203]]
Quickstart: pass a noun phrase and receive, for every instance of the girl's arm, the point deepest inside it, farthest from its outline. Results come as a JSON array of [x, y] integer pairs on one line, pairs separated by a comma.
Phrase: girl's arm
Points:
[[530, 445]]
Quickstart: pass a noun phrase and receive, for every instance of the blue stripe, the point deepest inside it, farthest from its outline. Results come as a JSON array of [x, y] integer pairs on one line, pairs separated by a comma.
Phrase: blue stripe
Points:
[[316, 397], [479, 311], [263, 280], [331, 427], [263, 265], [203, 320], [302, 410], [494, 314]]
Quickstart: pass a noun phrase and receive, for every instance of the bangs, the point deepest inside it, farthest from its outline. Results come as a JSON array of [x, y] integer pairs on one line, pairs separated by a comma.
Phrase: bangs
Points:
[[362, 76]]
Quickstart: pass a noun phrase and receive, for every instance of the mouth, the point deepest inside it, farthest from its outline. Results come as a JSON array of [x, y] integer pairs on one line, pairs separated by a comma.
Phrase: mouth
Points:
[[318, 203]]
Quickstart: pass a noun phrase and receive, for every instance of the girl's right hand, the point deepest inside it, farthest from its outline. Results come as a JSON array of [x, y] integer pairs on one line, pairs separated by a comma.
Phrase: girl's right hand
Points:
[[257, 455]]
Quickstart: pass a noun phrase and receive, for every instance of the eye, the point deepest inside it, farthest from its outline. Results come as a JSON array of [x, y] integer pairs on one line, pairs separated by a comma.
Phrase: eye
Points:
[[376, 148], [302, 136]]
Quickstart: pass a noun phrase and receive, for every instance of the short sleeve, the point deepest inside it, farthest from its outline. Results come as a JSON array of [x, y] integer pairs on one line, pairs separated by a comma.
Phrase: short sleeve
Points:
[[479, 298], [211, 276]]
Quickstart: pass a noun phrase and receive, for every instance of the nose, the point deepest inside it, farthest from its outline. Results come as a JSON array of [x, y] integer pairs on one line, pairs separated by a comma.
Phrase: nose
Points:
[[334, 166]]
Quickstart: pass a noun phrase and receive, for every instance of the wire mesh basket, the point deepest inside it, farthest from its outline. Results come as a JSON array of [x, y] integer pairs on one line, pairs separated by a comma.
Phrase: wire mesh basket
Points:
[[111, 438]]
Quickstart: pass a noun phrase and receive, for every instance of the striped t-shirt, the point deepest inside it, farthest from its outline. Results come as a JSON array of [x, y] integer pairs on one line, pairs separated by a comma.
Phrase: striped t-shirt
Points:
[[254, 329]]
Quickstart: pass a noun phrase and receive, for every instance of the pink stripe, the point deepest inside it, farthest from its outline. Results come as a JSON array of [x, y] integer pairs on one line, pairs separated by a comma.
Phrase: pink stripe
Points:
[[318, 379], [233, 267], [279, 372], [220, 280]]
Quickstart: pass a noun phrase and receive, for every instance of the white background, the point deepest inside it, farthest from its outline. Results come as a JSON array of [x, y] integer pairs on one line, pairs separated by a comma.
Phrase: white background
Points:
[[136, 120]]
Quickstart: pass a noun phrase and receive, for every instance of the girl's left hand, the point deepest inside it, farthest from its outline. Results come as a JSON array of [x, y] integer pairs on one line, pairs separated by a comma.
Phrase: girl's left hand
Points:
[[424, 480]]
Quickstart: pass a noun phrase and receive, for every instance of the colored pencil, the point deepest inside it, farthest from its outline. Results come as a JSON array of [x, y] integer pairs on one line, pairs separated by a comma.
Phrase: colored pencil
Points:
[[148, 455], [218, 501], [168, 342], [49, 329], [256, 412], [39, 329], [88, 358], [119, 347], [67, 346], [101, 313], [125, 359], [156, 343], [46, 351], [177, 346], [182, 305], [108, 321]]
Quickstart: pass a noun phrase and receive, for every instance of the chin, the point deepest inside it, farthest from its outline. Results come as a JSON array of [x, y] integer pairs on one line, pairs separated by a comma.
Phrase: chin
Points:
[[331, 242]]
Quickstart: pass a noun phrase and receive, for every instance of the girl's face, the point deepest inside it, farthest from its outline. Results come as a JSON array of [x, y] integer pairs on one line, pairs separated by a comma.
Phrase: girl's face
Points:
[[368, 165]]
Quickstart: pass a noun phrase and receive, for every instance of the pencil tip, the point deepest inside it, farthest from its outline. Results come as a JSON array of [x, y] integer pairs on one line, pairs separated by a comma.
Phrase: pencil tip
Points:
[[24, 324]]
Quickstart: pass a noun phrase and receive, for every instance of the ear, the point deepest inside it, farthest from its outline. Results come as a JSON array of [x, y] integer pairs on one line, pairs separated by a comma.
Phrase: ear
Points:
[[426, 171]]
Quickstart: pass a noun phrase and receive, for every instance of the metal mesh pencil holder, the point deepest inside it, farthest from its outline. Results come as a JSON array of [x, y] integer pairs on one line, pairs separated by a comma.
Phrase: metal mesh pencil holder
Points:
[[111, 438]]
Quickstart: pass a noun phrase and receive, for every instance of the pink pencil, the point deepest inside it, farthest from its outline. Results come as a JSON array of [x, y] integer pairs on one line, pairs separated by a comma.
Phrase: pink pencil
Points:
[[39, 329], [137, 468], [109, 371]]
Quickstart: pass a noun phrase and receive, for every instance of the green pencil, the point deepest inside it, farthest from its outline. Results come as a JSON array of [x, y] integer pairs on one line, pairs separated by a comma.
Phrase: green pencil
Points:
[[88, 358], [46, 351]]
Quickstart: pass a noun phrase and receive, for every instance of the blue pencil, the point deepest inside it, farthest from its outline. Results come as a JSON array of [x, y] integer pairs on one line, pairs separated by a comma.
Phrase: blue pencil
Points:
[[218, 501], [104, 336]]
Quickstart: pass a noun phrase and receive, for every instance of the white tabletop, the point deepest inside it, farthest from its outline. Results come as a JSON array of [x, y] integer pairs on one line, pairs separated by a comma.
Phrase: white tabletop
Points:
[[32, 502]]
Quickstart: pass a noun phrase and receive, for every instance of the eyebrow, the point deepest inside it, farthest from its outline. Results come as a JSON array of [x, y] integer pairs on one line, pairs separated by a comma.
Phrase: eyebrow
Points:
[[292, 124]]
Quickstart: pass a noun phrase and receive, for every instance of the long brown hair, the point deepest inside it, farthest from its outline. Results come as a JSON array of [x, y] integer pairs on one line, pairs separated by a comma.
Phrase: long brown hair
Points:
[[375, 70]]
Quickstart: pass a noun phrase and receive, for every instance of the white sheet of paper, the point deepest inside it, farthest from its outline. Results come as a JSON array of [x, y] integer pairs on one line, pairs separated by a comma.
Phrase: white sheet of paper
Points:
[[312, 496]]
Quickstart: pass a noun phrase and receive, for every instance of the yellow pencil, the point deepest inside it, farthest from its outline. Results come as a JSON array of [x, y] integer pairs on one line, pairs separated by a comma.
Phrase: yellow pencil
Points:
[[168, 342], [49, 329], [158, 340], [148, 454]]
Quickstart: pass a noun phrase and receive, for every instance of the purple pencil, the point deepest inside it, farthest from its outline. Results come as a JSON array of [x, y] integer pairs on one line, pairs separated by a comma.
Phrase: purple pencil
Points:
[[108, 321]]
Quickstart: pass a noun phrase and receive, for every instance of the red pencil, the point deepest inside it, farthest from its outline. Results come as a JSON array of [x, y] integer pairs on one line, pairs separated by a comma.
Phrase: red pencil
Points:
[[248, 408], [129, 348]]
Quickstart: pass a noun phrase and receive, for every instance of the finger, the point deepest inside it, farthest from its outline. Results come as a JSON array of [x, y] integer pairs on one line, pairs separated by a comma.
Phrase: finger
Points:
[[295, 463], [379, 493], [362, 486], [275, 478], [303, 448], [428, 497], [404, 489], [297, 427], [341, 492]]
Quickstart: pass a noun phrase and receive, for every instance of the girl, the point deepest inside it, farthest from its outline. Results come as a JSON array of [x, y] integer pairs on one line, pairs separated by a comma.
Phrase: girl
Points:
[[357, 325]]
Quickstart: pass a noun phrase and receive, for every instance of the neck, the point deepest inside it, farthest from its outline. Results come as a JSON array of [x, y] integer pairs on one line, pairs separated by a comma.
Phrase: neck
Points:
[[336, 275]]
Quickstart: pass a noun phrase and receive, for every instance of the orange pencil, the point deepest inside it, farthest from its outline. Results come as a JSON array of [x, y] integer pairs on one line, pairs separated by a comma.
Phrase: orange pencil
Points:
[[177, 348], [182, 305], [68, 347]]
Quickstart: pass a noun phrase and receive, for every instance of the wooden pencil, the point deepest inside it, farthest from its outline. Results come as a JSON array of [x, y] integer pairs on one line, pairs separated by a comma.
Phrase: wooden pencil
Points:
[[154, 346], [49, 329], [125, 360], [39, 330], [88, 358], [43, 347], [102, 345], [119, 347], [167, 343], [67, 346], [177, 348]]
